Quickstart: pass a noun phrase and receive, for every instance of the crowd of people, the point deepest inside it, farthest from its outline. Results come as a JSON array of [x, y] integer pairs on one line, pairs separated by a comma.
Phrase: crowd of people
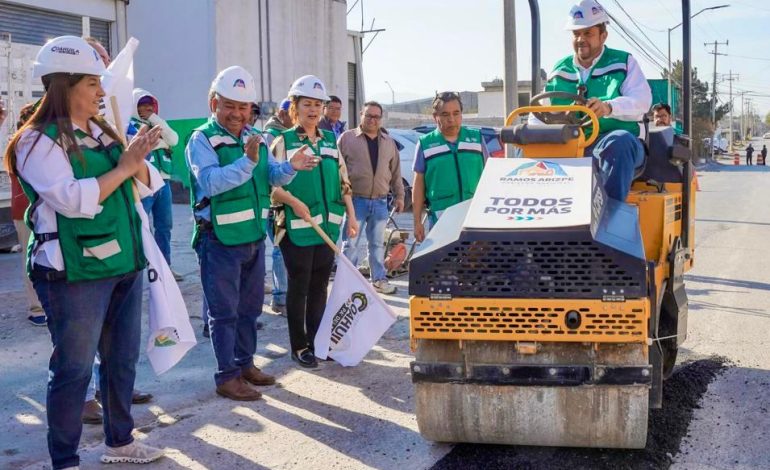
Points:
[[303, 181]]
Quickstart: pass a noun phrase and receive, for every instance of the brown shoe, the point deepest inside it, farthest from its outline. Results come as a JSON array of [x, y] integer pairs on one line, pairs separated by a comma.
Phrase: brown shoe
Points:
[[138, 397], [237, 389], [92, 412], [253, 375]]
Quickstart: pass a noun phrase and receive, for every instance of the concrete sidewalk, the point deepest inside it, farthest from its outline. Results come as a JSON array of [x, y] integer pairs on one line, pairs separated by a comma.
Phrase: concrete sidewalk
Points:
[[329, 417]]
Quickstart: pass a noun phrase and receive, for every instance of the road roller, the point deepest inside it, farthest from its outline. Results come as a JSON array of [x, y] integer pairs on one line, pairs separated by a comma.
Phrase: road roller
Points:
[[544, 312]]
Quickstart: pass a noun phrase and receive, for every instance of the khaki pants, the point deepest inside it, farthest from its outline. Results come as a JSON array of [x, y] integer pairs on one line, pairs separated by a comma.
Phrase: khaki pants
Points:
[[22, 231]]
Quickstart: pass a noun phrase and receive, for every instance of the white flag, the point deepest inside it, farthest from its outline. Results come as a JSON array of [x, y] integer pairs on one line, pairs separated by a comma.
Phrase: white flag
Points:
[[120, 84], [171, 334], [355, 317]]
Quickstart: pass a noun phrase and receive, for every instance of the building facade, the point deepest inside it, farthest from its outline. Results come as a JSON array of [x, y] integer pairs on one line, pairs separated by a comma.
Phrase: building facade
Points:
[[184, 43]]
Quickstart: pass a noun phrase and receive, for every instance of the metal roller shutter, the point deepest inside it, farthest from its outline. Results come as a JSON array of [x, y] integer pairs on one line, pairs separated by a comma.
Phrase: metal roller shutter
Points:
[[100, 30], [33, 26]]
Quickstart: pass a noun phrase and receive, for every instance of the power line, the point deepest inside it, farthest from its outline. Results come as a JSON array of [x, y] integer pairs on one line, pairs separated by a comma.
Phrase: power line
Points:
[[764, 59], [639, 28]]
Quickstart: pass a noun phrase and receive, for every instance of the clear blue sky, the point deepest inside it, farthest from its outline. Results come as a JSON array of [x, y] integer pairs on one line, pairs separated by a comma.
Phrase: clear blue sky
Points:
[[434, 45]]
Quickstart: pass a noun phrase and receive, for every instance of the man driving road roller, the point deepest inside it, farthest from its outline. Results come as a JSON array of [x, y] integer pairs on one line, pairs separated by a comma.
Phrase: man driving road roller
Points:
[[615, 89]]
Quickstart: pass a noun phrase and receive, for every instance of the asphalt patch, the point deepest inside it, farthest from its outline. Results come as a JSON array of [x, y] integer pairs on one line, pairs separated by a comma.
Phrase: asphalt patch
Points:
[[682, 393]]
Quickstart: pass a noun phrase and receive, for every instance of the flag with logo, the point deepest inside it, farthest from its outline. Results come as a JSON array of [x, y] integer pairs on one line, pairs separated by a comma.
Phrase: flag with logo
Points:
[[171, 334], [120, 84], [355, 317]]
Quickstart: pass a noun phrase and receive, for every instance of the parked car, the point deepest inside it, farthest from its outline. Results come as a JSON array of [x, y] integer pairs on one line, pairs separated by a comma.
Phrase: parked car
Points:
[[491, 136], [766, 135], [406, 141]]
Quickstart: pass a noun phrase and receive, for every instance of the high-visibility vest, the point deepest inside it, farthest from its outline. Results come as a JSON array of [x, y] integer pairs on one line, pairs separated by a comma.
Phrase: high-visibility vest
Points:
[[239, 215], [318, 188], [452, 172], [604, 82], [108, 245]]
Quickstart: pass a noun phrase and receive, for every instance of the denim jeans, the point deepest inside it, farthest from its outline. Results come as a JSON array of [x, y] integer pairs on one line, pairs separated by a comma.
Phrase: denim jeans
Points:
[[372, 216], [159, 207], [233, 280], [280, 283], [85, 317], [620, 153]]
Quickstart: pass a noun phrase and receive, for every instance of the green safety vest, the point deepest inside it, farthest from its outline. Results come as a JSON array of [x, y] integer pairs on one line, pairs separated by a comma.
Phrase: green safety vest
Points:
[[318, 188], [273, 131], [451, 172], [604, 82], [239, 215], [108, 245], [160, 158]]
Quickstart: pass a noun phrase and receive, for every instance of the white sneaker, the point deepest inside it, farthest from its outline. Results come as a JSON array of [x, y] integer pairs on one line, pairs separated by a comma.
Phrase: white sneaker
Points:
[[136, 452], [384, 287]]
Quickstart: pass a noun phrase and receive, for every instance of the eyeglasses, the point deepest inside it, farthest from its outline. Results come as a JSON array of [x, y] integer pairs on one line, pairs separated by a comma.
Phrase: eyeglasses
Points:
[[372, 117]]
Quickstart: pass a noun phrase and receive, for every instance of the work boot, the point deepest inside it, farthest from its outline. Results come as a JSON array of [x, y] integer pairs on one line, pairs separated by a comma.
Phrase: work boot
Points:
[[254, 376], [135, 452], [92, 412], [138, 397], [237, 389]]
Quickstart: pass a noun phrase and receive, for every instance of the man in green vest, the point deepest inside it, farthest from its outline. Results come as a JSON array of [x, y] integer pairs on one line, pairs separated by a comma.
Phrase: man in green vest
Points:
[[448, 162], [616, 89], [232, 173]]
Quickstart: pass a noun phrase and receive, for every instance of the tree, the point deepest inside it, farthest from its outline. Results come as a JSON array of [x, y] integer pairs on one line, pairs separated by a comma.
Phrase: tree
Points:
[[767, 118], [702, 126]]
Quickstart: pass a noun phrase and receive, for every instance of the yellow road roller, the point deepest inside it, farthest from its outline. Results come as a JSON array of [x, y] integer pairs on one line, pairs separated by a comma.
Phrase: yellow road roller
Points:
[[543, 312]]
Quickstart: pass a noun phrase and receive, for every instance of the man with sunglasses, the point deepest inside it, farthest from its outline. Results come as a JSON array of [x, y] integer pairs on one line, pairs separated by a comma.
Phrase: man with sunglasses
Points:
[[374, 169], [448, 162], [616, 90]]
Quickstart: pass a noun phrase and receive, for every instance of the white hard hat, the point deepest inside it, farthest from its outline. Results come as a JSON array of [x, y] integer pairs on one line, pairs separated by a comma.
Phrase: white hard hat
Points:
[[68, 54], [235, 83], [585, 14], [309, 86]]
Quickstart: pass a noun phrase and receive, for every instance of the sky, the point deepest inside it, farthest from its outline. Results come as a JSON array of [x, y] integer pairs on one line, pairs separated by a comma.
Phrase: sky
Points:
[[431, 45]]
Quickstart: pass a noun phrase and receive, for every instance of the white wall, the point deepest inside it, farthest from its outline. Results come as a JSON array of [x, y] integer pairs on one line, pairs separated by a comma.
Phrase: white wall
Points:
[[491, 104], [176, 56], [184, 44], [306, 37]]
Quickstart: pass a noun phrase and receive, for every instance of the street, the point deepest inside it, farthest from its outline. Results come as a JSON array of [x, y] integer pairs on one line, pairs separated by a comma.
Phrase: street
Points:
[[715, 410]]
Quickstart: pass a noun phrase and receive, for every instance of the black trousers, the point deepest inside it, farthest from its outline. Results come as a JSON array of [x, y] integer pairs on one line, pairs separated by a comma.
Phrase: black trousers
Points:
[[308, 269]]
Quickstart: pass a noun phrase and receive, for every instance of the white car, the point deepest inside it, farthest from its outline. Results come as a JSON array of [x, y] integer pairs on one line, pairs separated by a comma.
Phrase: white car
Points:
[[406, 141], [766, 136]]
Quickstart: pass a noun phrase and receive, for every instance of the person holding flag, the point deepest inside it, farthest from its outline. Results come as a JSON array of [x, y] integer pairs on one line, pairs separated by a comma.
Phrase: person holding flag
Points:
[[318, 198], [231, 174], [86, 261]]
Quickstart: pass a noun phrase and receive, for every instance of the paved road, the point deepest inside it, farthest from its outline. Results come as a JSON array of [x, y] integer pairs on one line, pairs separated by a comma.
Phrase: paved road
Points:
[[363, 417]]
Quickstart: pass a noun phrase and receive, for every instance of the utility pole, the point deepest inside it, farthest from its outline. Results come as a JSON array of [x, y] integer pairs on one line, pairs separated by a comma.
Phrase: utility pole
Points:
[[730, 78], [510, 83], [716, 52]]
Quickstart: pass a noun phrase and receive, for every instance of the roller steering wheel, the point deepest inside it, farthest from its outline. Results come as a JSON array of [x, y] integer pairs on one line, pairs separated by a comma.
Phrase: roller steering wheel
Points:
[[567, 117]]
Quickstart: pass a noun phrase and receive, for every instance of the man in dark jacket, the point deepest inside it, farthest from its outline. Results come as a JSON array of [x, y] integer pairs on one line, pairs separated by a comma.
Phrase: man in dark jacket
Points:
[[749, 153], [764, 155]]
